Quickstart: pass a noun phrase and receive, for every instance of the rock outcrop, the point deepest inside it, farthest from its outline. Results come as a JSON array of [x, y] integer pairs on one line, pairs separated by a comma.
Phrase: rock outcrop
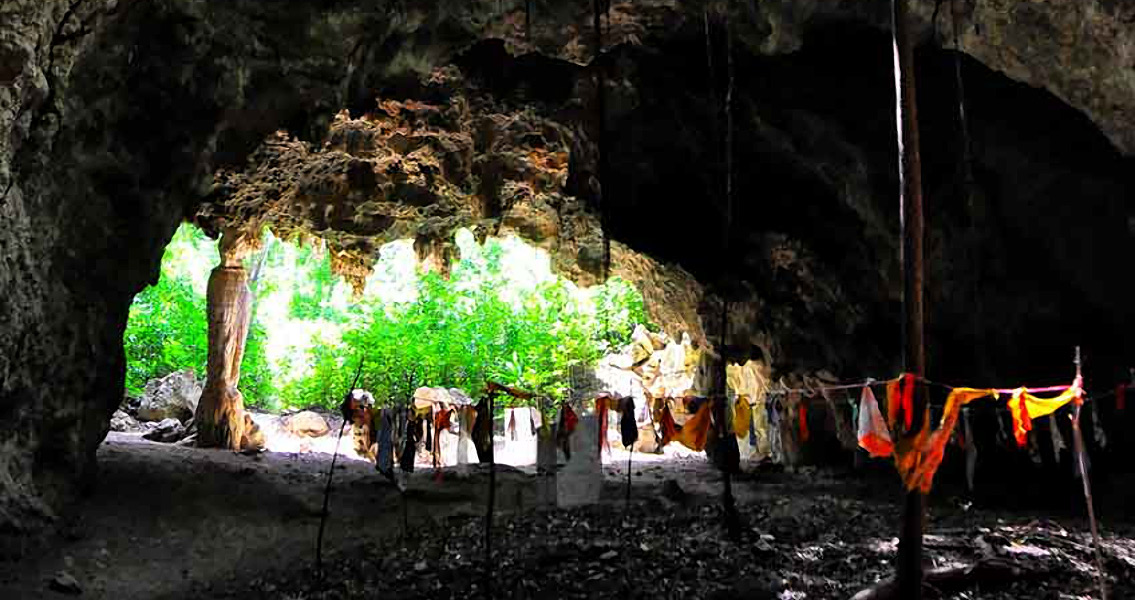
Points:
[[174, 396], [167, 431], [306, 423], [120, 118]]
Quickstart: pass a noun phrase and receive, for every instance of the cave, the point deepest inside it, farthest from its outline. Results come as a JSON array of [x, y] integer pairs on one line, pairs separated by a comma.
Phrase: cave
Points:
[[736, 162]]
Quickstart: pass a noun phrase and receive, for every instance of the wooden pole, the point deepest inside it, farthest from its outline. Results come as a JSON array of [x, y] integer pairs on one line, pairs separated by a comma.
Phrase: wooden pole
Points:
[[598, 8], [909, 564], [630, 454], [492, 500], [330, 476], [1078, 439]]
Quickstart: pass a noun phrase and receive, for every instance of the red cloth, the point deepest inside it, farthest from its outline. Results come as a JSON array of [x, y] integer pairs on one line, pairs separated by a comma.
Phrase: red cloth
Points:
[[569, 419], [1121, 397], [803, 422], [900, 399]]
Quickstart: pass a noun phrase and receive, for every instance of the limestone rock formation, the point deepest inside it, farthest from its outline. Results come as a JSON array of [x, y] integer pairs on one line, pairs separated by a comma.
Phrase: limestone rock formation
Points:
[[123, 422], [307, 424], [168, 431], [174, 396], [119, 119]]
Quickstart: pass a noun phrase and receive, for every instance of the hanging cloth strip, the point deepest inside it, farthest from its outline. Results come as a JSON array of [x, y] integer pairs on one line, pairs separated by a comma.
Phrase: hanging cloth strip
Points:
[[845, 432], [442, 422], [568, 421], [792, 404], [917, 458], [742, 417], [1121, 396], [874, 436], [695, 432], [1024, 407], [900, 401], [602, 405], [628, 428], [666, 423], [803, 409]]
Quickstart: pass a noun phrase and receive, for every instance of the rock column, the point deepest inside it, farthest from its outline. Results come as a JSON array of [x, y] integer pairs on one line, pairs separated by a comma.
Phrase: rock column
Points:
[[220, 419]]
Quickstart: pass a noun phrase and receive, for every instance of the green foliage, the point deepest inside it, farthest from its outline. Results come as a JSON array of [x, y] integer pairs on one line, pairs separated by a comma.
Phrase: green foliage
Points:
[[500, 316], [475, 327], [311, 297], [167, 331]]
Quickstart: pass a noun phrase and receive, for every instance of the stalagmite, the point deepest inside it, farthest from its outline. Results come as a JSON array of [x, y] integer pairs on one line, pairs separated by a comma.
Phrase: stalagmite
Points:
[[220, 418]]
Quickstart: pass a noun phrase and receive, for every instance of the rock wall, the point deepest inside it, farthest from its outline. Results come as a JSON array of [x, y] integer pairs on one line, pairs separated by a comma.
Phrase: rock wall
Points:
[[115, 115]]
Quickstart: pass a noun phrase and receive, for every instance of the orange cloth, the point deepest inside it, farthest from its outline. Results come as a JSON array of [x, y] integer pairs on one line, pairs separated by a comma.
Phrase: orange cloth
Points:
[[443, 419], [900, 399], [669, 429], [874, 436], [917, 458], [695, 431], [742, 415], [1025, 407], [602, 404]]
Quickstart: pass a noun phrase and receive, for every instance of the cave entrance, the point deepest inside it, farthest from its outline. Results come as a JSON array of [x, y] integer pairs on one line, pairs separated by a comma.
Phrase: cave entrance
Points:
[[496, 312]]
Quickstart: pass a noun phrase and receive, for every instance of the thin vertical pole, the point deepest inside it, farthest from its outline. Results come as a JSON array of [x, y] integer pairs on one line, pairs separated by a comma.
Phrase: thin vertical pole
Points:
[[601, 102], [492, 500], [1078, 438], [731, 521], [914, 356], [630, 453]]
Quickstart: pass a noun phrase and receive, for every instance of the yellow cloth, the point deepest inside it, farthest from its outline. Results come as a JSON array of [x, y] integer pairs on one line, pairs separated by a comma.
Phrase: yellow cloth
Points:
[[1025, 407], [742, 416]]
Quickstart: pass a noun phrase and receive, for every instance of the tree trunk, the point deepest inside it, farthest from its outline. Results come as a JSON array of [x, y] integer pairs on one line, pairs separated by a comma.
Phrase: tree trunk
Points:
[[220, 419]]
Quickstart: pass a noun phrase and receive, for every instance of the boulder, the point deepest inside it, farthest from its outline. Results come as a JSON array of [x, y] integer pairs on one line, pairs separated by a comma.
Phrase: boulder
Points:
[[306, 424], [174, 396], [252, 438], [130, 405], [168, 431], [123, 422]]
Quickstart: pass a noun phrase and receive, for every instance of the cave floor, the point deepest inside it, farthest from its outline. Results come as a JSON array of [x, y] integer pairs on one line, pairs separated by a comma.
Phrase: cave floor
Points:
[[176, 522]]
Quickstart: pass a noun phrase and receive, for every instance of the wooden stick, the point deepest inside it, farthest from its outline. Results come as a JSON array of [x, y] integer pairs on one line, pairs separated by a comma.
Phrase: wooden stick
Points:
[[1078, 439], [327, 490], [630, 453], [909, 562], [492, 500]]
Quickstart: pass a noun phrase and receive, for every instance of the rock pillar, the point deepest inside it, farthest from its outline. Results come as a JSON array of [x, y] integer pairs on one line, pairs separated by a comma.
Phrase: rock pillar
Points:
[[220, 418]]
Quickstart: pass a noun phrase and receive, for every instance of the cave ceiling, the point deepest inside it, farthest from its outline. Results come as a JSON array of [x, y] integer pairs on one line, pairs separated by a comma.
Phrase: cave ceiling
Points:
[[498, 132]]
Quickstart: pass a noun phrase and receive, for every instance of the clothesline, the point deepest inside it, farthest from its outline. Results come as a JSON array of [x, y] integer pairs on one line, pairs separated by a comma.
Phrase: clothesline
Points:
[[871, 381]]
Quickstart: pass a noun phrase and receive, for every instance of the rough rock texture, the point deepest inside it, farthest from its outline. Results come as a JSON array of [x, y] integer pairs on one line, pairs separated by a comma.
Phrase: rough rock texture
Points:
[[123, 422], [174, 396], [306, 423], [167, 431], [220, 414], [115, 115], [412, 169]]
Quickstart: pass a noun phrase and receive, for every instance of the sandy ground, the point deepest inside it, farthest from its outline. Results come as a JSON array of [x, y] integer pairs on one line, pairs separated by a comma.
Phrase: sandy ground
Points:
[[174, 522]]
